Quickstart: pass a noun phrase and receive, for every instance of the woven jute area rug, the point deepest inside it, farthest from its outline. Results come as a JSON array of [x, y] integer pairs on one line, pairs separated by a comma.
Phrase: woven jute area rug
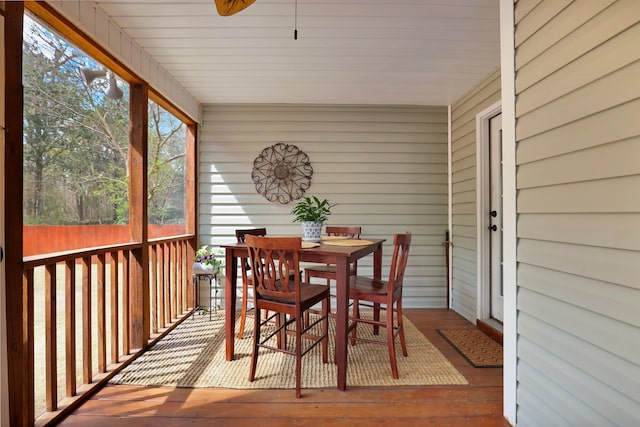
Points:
[[193, 355], [475, 346]]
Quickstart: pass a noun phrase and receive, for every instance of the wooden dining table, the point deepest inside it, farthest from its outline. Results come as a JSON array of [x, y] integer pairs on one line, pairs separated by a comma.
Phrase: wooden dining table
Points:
[[340, 256]]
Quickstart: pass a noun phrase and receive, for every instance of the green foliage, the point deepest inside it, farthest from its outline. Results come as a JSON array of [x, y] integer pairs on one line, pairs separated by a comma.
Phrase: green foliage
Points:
[[75, 140], [209, 256], [167, 167], [312, 209], [76, 143]]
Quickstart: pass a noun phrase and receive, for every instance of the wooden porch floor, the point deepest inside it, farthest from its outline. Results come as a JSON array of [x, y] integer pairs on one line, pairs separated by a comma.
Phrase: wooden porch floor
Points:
[[478, 404]]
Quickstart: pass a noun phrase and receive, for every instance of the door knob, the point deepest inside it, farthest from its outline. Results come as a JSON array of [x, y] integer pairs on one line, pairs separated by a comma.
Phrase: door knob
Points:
[[493, 227], [493, 213]]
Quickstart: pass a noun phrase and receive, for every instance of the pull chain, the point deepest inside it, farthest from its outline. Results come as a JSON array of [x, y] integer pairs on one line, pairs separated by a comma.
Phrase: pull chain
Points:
[[295, 21]]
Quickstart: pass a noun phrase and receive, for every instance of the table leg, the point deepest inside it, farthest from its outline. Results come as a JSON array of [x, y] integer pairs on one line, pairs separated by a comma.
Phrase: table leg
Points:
[[342, 319], [195, 282], [210, 278], [377, 274], [231, 267]]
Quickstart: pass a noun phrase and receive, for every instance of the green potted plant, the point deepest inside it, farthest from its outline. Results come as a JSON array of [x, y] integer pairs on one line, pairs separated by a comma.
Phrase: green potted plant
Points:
[[312, 213]]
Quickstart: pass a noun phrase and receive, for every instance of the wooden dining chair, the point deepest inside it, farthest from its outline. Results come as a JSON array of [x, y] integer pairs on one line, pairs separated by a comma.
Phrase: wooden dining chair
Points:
[[385, 295], [329, 271], [276, 291], [246, 273]]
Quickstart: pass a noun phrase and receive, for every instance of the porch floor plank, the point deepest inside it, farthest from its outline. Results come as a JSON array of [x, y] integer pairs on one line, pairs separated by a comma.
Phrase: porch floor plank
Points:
[[478, 404]]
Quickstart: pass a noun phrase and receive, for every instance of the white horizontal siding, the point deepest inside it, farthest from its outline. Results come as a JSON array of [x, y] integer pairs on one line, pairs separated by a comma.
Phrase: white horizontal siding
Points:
[[87, 16], [385, 167], [578, 206], [464, 164]]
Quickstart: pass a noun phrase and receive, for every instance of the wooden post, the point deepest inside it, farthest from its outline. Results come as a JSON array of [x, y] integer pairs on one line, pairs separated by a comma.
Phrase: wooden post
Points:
[[19, 301], [191, 194], [138, 183]]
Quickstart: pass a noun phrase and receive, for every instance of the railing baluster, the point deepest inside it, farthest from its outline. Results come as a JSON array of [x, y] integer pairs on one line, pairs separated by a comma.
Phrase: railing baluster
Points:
[[172, 279], [167, 286], [126, 343], [87, 365], [70, 324], [28, 339], [153, 287], [161, 287], [51, 338], [102, 325], [186, 278], [115, 330], [178, 264]]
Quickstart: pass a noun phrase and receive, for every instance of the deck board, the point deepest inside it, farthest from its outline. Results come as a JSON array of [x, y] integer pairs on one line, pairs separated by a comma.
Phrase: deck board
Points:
[[477, 404]]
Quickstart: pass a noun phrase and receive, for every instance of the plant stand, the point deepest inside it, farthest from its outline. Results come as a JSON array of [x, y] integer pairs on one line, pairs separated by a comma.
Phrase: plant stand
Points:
[[213, 283]]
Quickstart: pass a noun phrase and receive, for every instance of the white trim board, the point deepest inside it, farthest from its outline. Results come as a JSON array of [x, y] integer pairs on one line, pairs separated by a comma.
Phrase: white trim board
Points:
[[509, 232], [482, 223]]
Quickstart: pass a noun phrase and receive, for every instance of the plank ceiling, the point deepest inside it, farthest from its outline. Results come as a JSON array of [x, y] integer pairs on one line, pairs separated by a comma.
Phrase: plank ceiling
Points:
[[393, 52]]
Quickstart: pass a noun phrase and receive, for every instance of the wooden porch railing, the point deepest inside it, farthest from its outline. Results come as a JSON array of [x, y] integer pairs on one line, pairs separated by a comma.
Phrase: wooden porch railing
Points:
[[87, 318]]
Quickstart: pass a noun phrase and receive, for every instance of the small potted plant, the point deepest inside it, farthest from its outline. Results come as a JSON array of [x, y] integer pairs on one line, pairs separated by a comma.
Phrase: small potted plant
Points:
[[312, 213], [206, 261]]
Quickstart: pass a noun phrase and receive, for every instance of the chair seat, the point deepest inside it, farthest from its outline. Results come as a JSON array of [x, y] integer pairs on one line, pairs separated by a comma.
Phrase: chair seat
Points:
[[372, 290], [309, 296], [366, 285]]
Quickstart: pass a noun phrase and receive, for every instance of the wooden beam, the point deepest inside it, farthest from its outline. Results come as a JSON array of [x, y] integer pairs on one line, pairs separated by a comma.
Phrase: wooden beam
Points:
[[138, 221], [19, 340]]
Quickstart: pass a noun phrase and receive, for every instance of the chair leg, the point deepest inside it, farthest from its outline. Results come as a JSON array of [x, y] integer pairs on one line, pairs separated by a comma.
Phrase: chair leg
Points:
[[356, 316], [391, 343], [256, 340], [305, 318], [298, 355], [376, 317], [403, 342], [326, 309], [243, 314]]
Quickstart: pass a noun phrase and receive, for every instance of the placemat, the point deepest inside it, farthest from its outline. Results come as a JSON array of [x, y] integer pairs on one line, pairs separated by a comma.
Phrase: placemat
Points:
[[325, 238], [309, 245], [348, 242]]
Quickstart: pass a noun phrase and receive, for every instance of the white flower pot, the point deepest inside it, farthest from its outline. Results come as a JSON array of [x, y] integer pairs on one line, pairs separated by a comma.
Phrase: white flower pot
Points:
[[200, 268], [311, 231]]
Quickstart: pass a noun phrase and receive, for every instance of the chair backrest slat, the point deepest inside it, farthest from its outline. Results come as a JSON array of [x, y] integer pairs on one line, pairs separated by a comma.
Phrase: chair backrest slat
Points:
[[350, 232], [240, 238], [401, 244], [272, 260]]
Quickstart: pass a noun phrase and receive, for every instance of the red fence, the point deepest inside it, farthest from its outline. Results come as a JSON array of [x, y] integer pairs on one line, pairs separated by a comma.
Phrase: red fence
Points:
[[45, 239]]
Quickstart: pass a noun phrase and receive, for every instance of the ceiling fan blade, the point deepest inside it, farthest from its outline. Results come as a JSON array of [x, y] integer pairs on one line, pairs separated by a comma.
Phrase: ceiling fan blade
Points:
[[230, 7]]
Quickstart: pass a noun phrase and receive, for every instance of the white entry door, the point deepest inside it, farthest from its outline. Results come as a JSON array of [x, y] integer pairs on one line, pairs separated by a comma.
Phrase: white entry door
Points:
[[495, 217]]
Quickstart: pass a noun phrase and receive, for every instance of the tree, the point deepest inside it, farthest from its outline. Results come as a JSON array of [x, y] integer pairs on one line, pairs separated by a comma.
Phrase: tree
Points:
[[75, 139], [76, 143], [166, 185]]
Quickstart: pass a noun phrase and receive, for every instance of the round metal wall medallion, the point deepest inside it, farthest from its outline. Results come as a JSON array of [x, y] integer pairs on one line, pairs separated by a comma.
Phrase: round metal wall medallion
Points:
[[282, 173]]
